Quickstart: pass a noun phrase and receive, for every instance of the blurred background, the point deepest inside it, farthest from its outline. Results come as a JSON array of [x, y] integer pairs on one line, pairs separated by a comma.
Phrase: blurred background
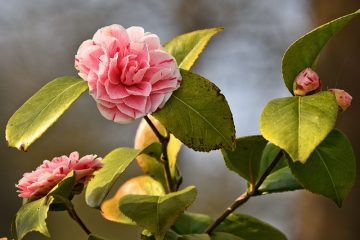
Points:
[[38, 41]]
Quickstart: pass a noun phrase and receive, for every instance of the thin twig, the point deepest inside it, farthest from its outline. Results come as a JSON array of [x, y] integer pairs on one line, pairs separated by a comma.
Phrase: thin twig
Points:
[[164, 140], [243, 198], [77, 219]]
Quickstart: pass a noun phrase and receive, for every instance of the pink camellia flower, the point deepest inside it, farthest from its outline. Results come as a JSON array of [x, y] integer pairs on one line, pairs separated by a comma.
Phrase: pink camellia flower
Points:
[[343, 99], [306, 82], [128, 72], [38, 183]]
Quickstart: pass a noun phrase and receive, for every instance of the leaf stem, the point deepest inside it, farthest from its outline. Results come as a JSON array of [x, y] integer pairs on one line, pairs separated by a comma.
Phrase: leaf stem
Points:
[[77, 219], [243, 198], [164, 140]]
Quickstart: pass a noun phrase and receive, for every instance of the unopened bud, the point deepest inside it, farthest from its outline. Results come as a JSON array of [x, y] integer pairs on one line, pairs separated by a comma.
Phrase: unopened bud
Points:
[[306, 82], [343, 99]]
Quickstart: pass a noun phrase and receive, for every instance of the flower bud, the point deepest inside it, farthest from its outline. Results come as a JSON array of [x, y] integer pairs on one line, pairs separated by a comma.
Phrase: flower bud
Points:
[[306, 82], [343, 99]]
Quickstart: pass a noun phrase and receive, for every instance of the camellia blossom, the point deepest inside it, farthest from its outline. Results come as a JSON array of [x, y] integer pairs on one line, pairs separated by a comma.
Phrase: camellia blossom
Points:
[[343, 98], [306, 81], [38, 183], [128, 72]]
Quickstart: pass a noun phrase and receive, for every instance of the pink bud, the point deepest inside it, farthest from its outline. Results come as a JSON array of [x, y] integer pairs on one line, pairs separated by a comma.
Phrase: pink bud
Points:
[[343, 99], [306, 82]]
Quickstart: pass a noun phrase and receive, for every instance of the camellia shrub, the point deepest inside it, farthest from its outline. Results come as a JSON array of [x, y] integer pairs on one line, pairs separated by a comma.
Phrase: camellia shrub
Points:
[[130, 75]]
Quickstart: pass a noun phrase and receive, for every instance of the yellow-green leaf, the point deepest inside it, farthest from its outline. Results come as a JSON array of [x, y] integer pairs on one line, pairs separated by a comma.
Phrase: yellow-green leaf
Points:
[[187, 47], [40, 111]]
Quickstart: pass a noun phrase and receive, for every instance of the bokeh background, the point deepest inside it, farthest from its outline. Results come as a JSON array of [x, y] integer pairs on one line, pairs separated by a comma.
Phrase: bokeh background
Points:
[[38, 40]]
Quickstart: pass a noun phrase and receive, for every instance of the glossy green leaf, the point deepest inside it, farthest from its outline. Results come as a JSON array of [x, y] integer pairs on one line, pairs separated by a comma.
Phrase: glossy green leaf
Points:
[[40, 111], [245, 159], [249, 228], [115, 163], [151, 165], [331, 168], [141, 185], [192, 223], [32, 215], [187, 47], [304, 52], [280, 181], [224, 236], [199, 115], [299, 124], [157, 213]]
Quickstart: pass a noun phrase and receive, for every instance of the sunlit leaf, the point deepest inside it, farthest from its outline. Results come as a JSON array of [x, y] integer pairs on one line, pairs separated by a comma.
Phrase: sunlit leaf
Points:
[[304, 52], [299, 124], [187, 47], [40, 111]]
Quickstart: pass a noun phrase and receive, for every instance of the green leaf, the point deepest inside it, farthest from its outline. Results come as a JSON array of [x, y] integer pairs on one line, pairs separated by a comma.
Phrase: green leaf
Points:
[[249, 228], [190, 223], [32, 215], [280, 181], [224, 236], [157, 213], [304, 52], [95, 237], [199, 115], [40, 111], [245, 159], [331, 168], [141, 185], [299, 124], [187, 47], [115, 163]]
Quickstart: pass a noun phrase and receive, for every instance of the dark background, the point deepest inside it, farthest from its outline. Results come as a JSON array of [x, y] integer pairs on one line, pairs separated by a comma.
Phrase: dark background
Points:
[[38, 41]]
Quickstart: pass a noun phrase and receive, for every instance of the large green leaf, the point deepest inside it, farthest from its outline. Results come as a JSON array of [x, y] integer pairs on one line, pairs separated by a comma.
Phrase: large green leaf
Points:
[[192, 223], [115, 163], [199, 115], [331, 168], [187, 47], [40, 111], [304, 52], [249, 228], [245, 159], [299, 124], [157, 213], [141, 185], [32, 215]]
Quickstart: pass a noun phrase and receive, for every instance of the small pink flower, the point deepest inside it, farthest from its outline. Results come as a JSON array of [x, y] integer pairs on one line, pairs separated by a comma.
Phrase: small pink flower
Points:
[[38, 183], [343, 99], [306, 82], [128, 72]]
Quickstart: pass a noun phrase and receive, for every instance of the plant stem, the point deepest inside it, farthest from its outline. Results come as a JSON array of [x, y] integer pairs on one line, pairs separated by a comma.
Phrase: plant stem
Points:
[[164, 140], [77, 219], [243, 198]]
